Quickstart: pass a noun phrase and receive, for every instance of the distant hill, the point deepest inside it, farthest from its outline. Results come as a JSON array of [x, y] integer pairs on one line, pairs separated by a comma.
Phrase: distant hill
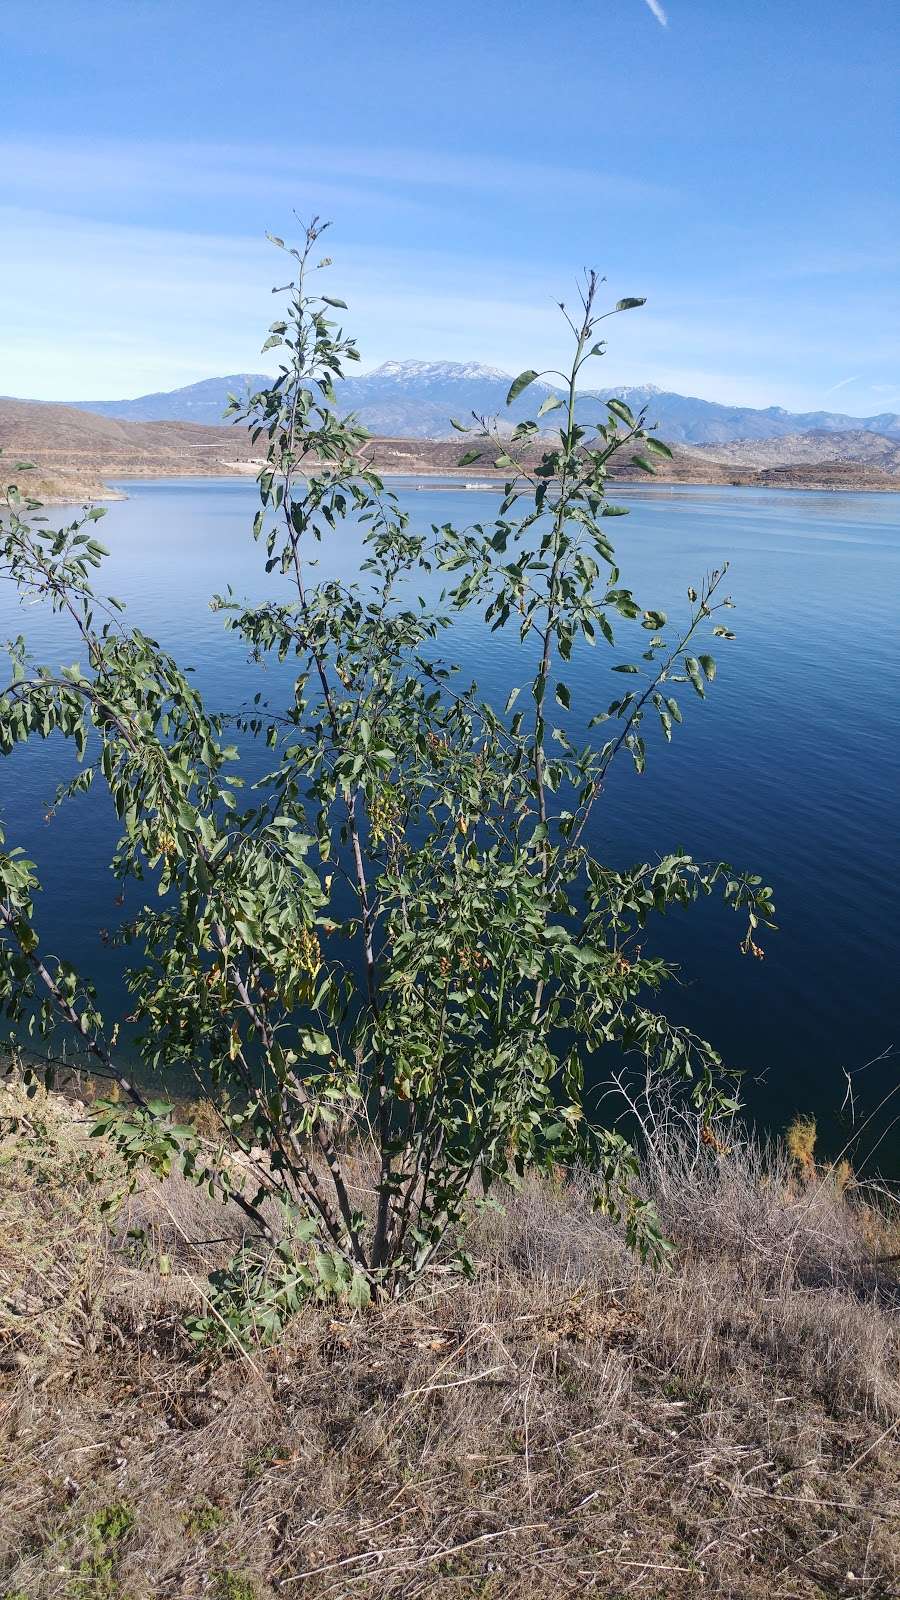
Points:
[[76, 453], [416, 399], [809, 461], [202, 402], [819, 445]]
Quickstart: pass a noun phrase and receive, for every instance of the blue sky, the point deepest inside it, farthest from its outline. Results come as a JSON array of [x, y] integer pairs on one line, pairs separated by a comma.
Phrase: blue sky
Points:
[[733, 160]]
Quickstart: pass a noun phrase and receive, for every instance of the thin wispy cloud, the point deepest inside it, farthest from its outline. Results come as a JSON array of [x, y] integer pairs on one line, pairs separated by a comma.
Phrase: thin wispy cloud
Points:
[[844, 383], [659, 13], [96, 174]]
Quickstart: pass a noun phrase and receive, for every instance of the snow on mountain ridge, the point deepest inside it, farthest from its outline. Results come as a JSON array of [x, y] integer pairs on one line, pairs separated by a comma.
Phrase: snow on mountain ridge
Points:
[[437, 369], [416, 399]]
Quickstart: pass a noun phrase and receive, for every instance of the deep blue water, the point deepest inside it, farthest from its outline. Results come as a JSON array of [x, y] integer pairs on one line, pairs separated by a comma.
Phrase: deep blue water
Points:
[[791, 766]]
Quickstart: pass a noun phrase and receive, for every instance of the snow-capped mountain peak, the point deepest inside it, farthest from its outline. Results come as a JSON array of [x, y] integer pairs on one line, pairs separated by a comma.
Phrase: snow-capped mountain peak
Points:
[[643, 389], [437, 371]]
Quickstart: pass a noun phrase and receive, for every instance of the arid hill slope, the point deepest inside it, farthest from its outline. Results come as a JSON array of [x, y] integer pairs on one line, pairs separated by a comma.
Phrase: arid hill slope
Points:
[[854, 447], [819, 461], [76, 454]]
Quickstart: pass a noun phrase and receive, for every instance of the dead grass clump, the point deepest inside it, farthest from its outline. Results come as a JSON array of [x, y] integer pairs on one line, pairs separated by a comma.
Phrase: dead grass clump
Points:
[[54, 1186], [743, 1203], [847, 1350], [567, 1423]]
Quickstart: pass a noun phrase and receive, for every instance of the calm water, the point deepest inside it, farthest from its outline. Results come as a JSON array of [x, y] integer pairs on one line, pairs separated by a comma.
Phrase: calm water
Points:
[[791, 766]]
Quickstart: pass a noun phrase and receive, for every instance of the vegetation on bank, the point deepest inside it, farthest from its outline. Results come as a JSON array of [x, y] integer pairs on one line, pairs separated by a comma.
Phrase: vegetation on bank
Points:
[[567, 1422], [395, 1313]]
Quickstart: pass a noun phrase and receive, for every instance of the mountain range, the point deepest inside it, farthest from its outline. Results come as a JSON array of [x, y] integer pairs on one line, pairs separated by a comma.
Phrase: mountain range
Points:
[[416, 399]]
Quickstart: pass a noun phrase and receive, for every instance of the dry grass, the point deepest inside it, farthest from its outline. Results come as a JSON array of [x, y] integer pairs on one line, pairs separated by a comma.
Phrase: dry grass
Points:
[[566, 1424]]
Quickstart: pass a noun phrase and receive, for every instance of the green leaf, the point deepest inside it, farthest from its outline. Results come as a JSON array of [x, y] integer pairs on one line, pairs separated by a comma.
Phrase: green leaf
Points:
[[552, 403], [359, 1294], [709, 667], [519, 384], [692, 668], [563, 695], [469, 457], [317, 1043], [160, 1108], [329, 300], [657, 446], [630, 303], [621, 410]]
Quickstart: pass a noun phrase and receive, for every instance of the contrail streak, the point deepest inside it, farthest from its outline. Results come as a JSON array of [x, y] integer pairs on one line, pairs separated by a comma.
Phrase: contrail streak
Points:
[[659, 13]]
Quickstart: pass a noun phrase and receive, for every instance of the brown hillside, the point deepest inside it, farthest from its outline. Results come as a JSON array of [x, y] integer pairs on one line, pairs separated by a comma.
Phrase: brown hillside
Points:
[[855, 447], [76, 454]]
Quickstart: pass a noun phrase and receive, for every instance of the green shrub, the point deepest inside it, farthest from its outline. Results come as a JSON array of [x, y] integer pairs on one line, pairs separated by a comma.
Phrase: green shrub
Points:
[[400, 936]]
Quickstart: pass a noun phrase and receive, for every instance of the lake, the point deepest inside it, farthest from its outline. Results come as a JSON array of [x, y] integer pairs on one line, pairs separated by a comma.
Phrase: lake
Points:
[[791, 765]]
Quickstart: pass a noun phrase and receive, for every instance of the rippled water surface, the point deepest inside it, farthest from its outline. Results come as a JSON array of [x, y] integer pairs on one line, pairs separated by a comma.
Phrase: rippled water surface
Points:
[[791, 765]]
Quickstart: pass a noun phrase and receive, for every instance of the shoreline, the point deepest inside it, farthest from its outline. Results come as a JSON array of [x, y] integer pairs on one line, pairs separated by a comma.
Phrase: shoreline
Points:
[[50, 490], [450, 481]]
